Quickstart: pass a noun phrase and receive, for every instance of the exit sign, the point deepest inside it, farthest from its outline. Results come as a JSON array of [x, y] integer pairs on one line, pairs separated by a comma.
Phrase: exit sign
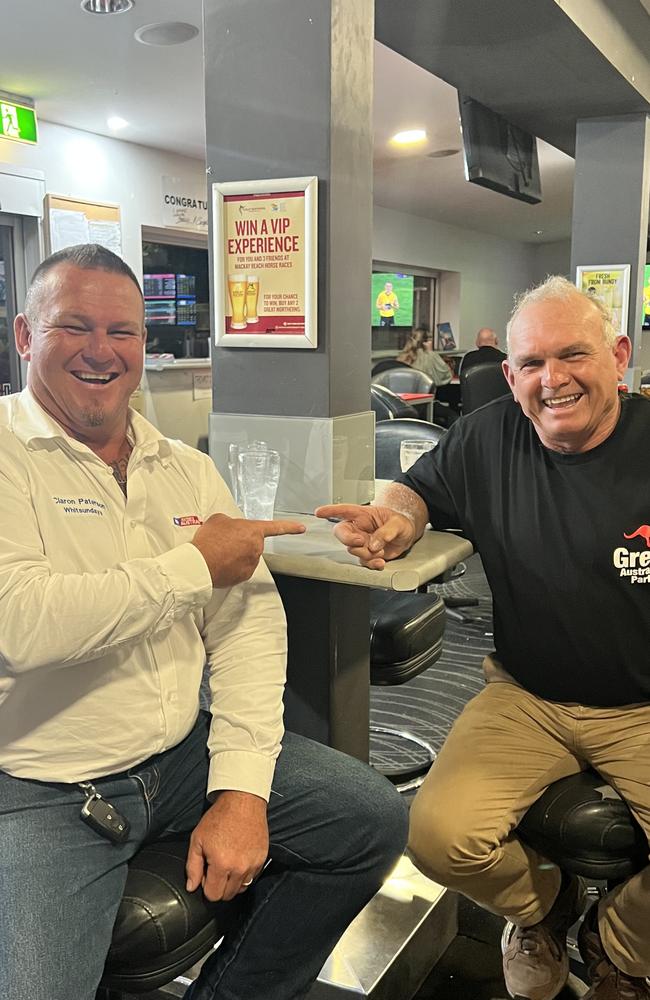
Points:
[[17, 122]]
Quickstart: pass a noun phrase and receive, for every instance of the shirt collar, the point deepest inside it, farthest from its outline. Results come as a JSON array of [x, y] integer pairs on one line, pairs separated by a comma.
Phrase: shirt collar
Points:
[[31, 424]]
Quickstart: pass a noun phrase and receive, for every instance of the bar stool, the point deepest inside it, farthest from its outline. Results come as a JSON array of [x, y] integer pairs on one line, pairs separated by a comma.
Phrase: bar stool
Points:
[[161, 930], [582, 825]]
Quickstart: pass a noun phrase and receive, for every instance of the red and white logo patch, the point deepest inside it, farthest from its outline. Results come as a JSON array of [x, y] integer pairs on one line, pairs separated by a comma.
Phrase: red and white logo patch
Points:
[[187, 521]]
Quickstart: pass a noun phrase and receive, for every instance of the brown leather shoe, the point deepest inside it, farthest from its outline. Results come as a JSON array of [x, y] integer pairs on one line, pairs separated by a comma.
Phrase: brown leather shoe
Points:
[[535, 962], [607, 981]]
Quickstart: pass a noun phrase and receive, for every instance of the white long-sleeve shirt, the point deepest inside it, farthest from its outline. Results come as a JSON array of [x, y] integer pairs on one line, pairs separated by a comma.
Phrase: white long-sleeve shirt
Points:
[[108, 613]]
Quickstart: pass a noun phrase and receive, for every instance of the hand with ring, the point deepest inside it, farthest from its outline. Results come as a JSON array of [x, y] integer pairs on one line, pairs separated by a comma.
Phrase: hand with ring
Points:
[[245, 885]]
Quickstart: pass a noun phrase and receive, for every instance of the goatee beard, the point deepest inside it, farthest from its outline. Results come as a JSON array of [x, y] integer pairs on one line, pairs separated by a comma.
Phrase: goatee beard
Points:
[[93, 418]]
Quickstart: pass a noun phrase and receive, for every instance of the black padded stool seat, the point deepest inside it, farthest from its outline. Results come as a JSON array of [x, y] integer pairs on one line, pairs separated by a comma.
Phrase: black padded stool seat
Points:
[[585, 827], [405, 634], [161, 930]]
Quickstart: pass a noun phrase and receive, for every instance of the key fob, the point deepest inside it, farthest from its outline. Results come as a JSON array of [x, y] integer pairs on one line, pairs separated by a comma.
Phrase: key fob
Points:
[[105, 819]]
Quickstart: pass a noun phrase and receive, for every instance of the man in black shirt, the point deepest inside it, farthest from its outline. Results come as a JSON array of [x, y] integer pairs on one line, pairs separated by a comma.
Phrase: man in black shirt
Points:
[[487, 352], [552, 488]]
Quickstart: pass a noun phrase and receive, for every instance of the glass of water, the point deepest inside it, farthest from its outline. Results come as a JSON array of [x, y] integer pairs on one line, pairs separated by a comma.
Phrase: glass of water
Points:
[[233, 455], [411, 450], [258, 475]]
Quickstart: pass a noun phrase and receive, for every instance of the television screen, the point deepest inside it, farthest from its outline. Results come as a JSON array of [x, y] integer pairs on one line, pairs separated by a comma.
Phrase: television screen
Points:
[[499, 155], [392, 299], [646, 298], [159, 285], [186, 284], [186, 311], [160, 312]]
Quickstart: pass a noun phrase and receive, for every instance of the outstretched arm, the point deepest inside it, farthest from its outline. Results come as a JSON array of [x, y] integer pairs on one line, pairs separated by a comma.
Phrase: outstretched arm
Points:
[[377, 534]]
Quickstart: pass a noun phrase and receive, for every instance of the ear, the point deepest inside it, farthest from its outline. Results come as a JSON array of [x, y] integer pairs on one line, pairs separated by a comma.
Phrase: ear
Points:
[[510, 376], [622, 355], [23, 337]]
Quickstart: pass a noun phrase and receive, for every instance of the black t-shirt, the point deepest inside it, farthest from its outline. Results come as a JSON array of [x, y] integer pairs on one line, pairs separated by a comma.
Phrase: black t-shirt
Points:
[[482, 356], [571, 591]]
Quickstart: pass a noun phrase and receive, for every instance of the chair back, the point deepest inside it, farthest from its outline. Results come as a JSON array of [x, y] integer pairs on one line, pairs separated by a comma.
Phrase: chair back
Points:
[[480, 384], [404, 380], [386, 405], [387, 363], [389, 436]]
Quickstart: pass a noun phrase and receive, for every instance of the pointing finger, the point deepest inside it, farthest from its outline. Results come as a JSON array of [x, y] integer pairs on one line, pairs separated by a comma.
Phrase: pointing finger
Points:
[[281, 527], [342, 511]]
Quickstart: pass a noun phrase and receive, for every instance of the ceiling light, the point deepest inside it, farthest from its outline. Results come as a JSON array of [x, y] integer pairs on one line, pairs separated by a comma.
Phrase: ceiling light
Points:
[[409, 137], [115, 122], [539, 232], [166, 33], [106, 6]]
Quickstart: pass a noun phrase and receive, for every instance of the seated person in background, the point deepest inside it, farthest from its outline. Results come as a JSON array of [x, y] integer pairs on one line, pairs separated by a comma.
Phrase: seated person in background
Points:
[[124, 568], [418, 352], [551, 485], [487, 343]]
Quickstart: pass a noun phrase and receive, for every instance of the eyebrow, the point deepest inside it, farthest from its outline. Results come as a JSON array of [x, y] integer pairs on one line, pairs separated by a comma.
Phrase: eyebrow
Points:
[[579, 347], [65, 318]]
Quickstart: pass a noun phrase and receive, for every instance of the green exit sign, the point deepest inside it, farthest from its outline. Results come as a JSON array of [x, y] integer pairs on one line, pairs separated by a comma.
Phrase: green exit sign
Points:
[[17, 122]]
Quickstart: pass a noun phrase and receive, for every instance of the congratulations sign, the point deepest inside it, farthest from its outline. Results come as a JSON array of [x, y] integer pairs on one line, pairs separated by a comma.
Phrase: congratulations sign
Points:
[[265, 262]]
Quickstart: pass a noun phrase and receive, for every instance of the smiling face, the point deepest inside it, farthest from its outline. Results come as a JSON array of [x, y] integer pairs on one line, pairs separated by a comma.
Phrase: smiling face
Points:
[[85, 345], [563, 374]]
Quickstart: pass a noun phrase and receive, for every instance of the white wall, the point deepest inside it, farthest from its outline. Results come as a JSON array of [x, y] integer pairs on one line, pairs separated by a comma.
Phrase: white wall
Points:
[[95, 168], [492, 270]]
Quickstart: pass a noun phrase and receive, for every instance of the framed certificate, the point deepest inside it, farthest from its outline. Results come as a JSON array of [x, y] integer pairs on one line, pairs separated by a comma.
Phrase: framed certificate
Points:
[[265, 262]]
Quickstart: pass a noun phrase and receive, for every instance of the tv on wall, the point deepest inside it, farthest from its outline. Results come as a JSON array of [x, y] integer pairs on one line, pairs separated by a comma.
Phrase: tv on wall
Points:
[[499, 155]]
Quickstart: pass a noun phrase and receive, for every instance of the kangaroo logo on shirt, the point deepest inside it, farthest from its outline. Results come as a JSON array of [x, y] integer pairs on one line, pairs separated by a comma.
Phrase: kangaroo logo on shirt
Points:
[[642, 532], [187, 521], [632, 563]]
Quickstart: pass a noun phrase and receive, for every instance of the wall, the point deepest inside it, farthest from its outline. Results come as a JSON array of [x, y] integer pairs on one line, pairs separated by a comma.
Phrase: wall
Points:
[[492, 270], [551, 258], [95, 168]]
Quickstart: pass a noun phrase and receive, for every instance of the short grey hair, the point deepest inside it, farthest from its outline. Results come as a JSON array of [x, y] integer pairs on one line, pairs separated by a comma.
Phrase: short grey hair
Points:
[[87, 257], [555, 286]]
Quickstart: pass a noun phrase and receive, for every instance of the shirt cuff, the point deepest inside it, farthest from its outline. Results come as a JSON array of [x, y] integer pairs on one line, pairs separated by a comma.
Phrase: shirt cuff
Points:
[[189, 578], [241, 771]]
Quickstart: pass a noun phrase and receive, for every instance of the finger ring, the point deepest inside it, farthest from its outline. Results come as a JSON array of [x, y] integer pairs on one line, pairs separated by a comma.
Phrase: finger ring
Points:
[[250, 882]]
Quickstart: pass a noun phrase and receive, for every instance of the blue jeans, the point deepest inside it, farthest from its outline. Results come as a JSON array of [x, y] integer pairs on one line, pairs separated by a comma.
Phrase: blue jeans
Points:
[[336, 828]]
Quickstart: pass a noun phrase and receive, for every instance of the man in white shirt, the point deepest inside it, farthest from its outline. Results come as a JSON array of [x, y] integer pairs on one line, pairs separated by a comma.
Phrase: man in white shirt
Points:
[[125, 567]]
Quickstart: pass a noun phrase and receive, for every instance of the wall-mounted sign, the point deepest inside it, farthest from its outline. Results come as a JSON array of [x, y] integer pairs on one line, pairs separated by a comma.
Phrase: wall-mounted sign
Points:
[[610, 284], [185, 205], [17, 122], [265, 261]]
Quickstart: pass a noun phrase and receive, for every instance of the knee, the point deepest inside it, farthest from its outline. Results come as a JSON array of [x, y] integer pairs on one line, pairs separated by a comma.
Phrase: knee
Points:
[[444, 844], [380, 817]]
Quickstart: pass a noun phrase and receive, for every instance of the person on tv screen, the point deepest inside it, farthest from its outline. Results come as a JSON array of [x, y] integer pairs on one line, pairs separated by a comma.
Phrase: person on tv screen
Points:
[[551, 485], [387, 303]]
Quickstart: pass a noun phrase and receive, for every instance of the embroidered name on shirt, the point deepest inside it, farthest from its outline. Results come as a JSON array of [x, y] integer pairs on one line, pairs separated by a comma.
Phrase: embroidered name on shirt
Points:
[[81, 505], [187, 521]]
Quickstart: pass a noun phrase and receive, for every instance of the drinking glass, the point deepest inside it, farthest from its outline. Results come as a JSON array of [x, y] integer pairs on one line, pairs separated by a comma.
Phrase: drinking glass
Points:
[[258, 475], [411, 450], [233, 454]]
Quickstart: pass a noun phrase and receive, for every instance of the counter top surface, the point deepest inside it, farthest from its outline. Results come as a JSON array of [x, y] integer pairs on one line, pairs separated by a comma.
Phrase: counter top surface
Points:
[[317, 555]]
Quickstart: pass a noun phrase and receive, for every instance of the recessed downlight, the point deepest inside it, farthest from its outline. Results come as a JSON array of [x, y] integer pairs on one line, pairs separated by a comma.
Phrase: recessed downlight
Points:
[[107, 6], [409, 137], [115, 123], [166, 33]]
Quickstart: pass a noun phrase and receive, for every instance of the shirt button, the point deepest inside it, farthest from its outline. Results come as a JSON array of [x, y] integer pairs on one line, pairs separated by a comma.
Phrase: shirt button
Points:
[[134, 524]]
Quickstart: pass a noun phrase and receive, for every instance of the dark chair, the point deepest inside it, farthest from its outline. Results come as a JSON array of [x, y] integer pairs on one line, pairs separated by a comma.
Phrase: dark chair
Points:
[[386, 363], [480, 384], [161, 930], [584, 827], [404, 380], [389, 436], [386, 405]]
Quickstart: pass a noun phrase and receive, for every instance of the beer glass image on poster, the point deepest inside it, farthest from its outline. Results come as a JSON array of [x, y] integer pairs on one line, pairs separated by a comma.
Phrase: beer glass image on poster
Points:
[[252, 296], [610, 285], [237, 294]]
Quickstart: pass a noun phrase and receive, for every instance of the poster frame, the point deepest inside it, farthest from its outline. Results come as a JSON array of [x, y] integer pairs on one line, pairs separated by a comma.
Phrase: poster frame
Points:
[[624, 271], [272, 187]]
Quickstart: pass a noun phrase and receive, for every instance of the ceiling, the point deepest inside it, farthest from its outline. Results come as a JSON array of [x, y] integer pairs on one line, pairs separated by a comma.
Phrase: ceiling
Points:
[[80, 69]]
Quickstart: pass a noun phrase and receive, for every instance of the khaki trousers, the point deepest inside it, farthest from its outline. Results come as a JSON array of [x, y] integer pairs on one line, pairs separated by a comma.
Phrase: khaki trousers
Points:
[[504, 750]]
